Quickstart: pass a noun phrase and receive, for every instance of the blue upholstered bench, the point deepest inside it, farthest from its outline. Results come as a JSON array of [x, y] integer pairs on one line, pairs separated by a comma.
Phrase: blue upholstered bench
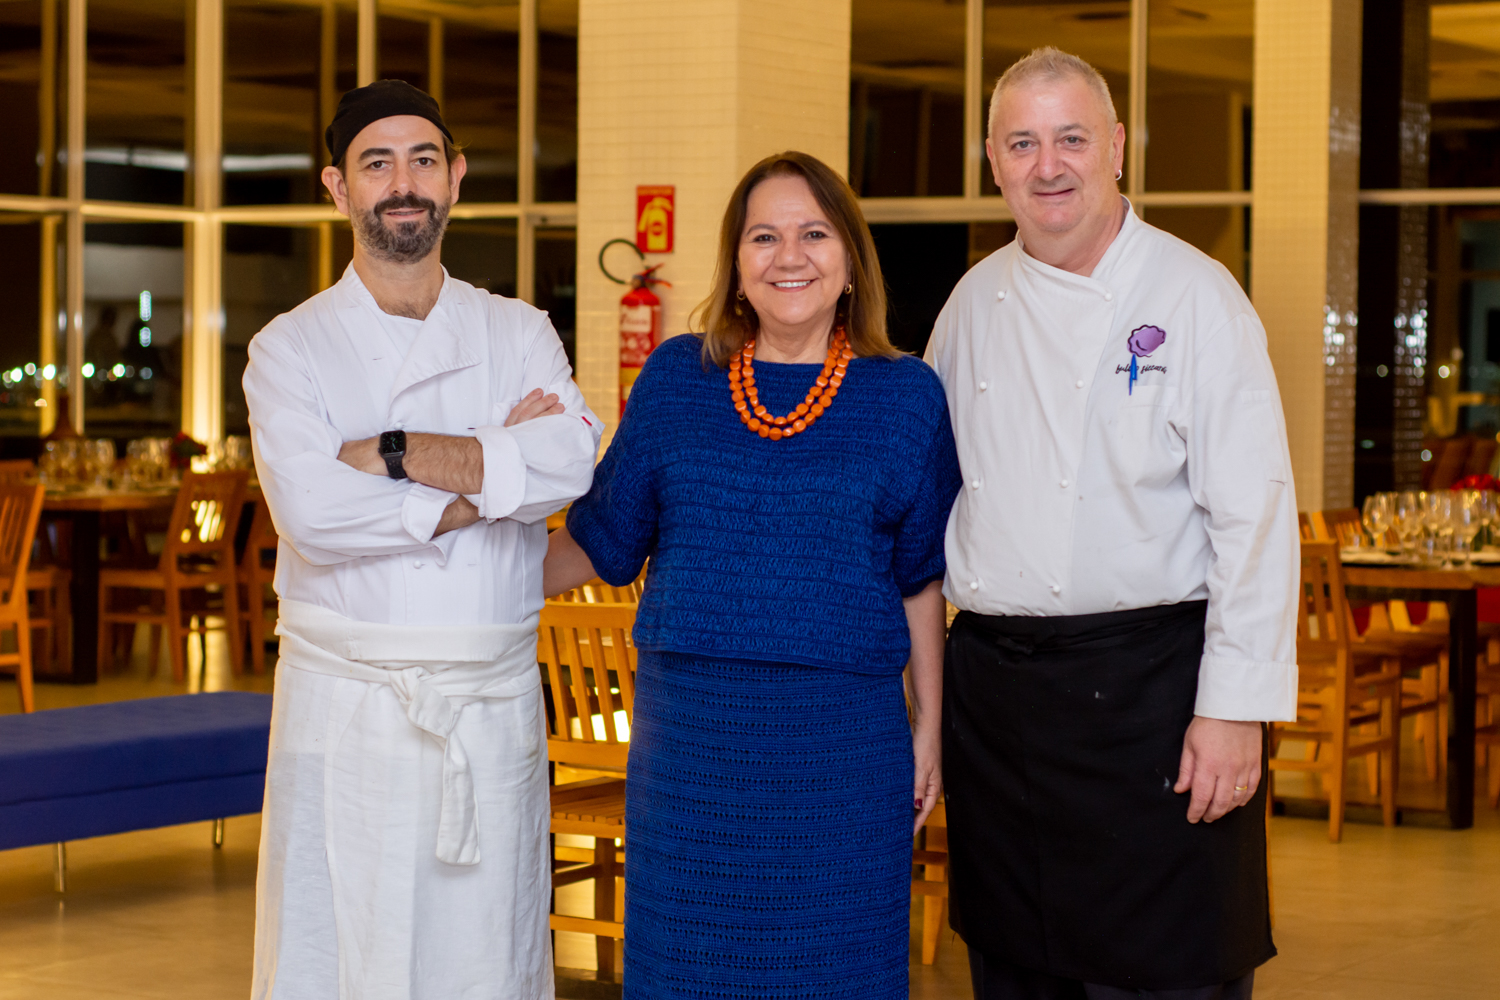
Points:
[[71, 773]]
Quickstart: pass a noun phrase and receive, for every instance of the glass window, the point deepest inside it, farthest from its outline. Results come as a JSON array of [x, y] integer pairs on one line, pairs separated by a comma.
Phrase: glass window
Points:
[[557, 101], [481, 66], [31, 74], [921, 263], [483, 253], [1097, 32], [132, 318], [557, 283], [22, 371], [1221, 231], [1200, 67], [268, 270], [1464, 57], [906, 98], [402, 51], [138, 100], [278, 97]]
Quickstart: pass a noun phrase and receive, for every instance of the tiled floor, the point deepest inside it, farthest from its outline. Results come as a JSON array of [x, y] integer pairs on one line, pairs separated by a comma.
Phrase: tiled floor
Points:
[[1403, 913]]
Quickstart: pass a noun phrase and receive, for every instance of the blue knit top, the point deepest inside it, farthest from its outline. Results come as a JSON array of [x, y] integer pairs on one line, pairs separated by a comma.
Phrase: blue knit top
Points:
[[791, 551]]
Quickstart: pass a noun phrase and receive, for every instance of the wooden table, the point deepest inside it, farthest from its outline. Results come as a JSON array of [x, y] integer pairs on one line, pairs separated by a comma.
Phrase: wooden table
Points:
[[1457, 588], [84, 510]]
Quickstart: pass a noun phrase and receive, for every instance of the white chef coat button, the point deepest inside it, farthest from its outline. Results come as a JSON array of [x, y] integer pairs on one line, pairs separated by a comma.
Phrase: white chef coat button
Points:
[[983, 386], [974, 485], [1063, 484], [1109, 296], [1078, 384], [973, 584], [1000, 295], [1056, 589], [416, 563]]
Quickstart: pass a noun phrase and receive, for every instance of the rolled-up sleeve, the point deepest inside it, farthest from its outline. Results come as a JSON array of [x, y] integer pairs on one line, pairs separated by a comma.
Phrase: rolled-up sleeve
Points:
[[1239, 471], [538, 467], [327, 511]]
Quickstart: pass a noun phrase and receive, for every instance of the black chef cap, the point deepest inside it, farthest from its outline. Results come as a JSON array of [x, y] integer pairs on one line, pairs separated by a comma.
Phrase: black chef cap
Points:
[[381, 99]]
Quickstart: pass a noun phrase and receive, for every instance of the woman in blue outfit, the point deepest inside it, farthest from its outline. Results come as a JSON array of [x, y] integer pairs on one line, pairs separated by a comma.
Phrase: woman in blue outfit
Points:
[[789, 475]]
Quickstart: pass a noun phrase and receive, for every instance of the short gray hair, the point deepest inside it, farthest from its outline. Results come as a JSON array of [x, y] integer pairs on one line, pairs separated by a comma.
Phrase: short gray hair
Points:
[[1050, 64]]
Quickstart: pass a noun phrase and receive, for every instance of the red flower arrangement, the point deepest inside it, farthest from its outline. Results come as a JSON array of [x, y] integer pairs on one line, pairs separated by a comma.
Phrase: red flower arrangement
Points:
[[1481, 481], [185, 449]]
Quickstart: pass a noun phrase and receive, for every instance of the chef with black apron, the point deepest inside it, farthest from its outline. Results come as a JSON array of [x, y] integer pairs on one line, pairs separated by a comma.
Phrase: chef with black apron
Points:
[[1124, 556]]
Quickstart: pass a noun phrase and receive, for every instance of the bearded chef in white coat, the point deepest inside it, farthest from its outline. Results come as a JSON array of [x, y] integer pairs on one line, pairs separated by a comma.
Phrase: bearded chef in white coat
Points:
[[411, 435], [1124, 554]]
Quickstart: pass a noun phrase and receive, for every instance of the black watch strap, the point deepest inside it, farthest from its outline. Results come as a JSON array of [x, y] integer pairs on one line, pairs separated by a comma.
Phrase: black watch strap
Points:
[[393, 450]]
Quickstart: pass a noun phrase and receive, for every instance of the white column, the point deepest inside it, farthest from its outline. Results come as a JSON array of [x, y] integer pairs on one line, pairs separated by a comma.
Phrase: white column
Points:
[[691, 93], [1305, 229], [203, 245]]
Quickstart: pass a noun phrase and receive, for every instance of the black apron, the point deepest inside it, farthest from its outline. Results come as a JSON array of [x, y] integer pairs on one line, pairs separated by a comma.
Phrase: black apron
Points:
[[1070, 852]]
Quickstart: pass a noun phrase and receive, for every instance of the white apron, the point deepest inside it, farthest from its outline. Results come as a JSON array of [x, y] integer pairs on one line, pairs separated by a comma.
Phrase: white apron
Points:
[[404, 839]]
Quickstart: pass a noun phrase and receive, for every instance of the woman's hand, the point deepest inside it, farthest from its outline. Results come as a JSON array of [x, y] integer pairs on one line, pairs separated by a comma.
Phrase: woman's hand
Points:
[[925, 617], [927, 788]]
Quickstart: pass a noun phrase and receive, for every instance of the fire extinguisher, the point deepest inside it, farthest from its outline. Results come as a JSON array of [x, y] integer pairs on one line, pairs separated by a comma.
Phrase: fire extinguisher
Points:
[[640, 327]]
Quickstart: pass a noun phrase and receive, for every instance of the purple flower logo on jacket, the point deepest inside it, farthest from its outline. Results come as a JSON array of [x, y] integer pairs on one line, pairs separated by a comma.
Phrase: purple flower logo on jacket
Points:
[[1143, 340]]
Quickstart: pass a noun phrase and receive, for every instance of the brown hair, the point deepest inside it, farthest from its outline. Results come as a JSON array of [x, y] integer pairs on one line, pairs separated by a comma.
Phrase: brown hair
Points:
[[726, 322]]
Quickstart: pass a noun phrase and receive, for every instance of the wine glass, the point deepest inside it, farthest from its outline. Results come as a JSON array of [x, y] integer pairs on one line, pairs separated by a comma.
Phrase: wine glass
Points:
[[1437, 519], [1408, 519], [1466, 518], [1376, 517]]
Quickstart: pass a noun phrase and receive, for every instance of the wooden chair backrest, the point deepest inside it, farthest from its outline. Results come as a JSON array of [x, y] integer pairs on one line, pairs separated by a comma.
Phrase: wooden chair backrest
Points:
[[20, 509], [1342, 525], [1304, 526], [1481, 456], [1323, 616], [590, 664], [596, 591], [17, 470], [205, 517], [1449, 455], [262, 535]]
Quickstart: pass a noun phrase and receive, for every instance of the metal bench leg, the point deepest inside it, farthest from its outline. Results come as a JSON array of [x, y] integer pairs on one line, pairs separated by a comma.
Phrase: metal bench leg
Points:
[[60, 867], [218, 833]]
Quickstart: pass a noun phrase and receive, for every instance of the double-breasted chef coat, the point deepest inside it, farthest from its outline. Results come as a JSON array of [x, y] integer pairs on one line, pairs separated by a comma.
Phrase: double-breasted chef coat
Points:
[[360, 551], [1127, 530]]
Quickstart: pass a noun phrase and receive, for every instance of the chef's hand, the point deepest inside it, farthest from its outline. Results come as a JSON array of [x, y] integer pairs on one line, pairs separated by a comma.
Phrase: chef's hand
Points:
[[535, 404], [1219, 757]]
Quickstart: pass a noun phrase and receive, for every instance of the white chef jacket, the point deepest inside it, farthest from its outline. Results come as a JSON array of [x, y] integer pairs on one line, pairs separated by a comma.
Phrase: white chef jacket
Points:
[[1089, 488], [360, 895], [363, 546]]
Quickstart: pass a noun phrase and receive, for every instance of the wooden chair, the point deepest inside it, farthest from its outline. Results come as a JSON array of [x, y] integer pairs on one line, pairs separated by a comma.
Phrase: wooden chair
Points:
[[596, 591], [1487, 728], [20, 509], [198, 557], [1481, 456], [1423, 651], [47, 581], [932, 856], [590, 667], [1333, 704], [256, 571], [1449, 456]]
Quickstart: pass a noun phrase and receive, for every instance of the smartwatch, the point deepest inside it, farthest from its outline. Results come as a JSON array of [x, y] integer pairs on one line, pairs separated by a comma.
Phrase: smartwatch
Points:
[[393, 450]]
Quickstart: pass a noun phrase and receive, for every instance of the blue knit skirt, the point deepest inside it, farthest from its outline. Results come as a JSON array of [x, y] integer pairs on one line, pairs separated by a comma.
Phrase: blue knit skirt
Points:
[[768, 853]]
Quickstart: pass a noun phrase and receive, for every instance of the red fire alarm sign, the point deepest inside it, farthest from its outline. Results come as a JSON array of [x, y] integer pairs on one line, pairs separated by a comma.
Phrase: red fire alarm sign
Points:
[[653, 217]]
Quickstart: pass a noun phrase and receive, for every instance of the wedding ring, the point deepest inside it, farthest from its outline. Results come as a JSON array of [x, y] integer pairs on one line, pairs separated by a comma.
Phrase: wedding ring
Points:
[[1242, 788]]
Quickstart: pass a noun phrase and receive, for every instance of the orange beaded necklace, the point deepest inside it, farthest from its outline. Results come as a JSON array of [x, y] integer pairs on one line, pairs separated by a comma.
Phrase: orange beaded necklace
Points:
[[819, 397]]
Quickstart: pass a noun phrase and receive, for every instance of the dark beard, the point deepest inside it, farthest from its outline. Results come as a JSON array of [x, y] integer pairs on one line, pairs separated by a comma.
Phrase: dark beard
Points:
[[406, 242]]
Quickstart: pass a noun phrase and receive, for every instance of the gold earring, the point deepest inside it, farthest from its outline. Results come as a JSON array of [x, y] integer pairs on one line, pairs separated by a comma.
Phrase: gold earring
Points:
[[849, 288], [739, 293]]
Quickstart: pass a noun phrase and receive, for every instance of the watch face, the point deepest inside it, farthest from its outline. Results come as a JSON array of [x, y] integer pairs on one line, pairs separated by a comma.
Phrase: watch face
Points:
[[393, 443]]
